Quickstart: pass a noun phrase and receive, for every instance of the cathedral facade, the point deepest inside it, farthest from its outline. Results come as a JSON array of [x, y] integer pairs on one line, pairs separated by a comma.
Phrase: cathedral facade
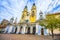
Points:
[[28, 20]]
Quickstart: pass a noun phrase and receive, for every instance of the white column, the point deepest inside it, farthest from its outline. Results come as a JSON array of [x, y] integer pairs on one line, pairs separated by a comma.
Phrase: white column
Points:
[[31, 29], [18, 29], [37, 28], [10, 29], [24, 29]]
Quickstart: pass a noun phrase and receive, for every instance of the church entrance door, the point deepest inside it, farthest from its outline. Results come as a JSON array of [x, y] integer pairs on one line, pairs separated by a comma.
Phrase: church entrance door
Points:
[[42, 31], [34, 30], [28, 30]]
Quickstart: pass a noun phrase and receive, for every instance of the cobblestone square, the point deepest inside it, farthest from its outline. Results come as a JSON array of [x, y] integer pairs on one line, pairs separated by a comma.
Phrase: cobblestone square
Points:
[[25, 37]]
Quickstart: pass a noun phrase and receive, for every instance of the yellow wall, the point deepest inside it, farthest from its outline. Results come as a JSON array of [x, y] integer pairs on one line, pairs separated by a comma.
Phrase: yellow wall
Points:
[[32, 19], [53, 16]]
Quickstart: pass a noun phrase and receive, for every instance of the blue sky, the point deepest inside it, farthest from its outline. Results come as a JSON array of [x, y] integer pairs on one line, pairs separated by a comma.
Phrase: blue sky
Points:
[[14, 8]]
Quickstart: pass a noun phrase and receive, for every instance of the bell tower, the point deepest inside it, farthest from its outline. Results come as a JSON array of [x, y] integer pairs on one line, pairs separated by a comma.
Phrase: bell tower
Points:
[[24, 14], [33, 14], [41, 15]]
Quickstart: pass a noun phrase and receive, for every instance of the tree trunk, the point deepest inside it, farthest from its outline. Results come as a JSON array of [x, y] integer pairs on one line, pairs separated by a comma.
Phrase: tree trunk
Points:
[[52, 33]]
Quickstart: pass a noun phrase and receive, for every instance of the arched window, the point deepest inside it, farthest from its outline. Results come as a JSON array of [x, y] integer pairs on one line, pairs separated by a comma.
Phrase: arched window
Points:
[[32, 13]]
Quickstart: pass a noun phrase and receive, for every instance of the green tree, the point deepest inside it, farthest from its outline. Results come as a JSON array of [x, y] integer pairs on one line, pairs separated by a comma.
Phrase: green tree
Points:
[[51, 24]]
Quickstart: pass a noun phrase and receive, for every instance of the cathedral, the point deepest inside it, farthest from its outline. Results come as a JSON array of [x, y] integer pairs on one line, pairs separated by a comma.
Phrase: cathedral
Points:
[[28, 23]]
